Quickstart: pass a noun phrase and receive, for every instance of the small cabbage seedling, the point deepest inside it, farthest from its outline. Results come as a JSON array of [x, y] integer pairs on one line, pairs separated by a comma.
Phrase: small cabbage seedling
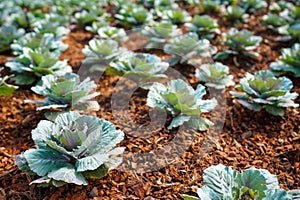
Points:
[[209, 6], [273, 21], [7, 35], [45, 26], [222, 182], [289, 61], [236, 15], [5, 88], [99, 53], [239, 43], [291, 32], [159, 6], [114, 33], [71, 149], [251, 6], [66, 92], [130, 15], [176, 16], [85, 17], [205, 26], [97, 25], [264, 91], [183, 102], [160, 33], [215, 75], [32, 65], [138, 67], [34, 40], [187, 48]]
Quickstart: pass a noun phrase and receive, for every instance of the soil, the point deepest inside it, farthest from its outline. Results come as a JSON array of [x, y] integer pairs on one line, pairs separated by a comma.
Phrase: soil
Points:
[[248, 138]]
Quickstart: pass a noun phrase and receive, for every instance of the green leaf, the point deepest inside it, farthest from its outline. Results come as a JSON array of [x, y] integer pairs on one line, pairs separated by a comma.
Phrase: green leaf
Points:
[[277, 111], [276, 194], [43, 161], [220, 180], [24, 79], [251, 106], [188, 197], [6, 90], [252, 179], [178, 121], [221, 55], [68, 174], [46, 182], [294, 194], [98, 173]]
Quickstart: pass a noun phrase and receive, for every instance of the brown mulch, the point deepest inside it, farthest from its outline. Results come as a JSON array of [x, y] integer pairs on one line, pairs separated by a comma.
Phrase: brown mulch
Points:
[[248, 139]]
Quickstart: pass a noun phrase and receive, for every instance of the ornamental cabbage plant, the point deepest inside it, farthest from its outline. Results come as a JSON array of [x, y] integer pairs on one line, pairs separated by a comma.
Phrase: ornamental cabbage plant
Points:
[[264, 91], [183, 102], [138, 67], [7, 35], [236, 15], [160, 33], [114, 33], [66, 92], [239, 43], [251, 6], [5, 88], [205, 26], [222, 182], [160, 6], [33, 64], [130, 15], [273, 21], [34, 40], [289, 61], [215, 75], [71, 149], [176, 16], [99, 53], [95, 26], [188, 47]]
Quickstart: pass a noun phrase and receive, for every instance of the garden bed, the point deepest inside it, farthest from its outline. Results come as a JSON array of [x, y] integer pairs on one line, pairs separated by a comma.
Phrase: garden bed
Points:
[[248, 138]]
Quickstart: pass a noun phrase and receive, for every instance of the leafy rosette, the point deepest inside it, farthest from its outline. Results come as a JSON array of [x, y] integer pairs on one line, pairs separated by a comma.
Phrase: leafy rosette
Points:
[[138, 67], [205, 26], [183, 102], [113, 33], [160, 33], [273, 21], [160, 6], [71, 149], [5, 88], [34, 41], [239, 43], [65, 93], [133, 15], [99, 53], [264, 90], [215, 75], [291, 32], [7, 35], [222, 182], [176, 16], [289, 61], [95, 26], [187, 48], [33, 64], [236, 15], [251, 6]]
